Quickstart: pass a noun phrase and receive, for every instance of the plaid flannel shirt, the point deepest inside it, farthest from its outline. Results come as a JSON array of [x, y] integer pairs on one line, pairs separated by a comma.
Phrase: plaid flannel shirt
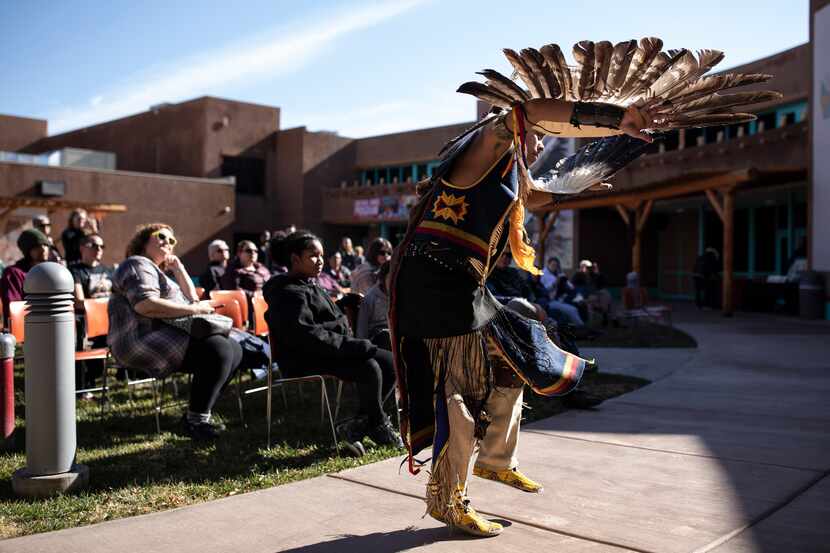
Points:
[[140, 342]]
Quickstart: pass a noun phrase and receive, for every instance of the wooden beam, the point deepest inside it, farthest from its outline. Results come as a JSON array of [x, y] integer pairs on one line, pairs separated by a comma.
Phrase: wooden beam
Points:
[[728, 251], [623, 213], [23, 201], [658, 192], [716, 205]]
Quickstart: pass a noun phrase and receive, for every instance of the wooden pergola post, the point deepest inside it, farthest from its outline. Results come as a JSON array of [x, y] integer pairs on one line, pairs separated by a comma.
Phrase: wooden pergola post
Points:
[[643, 211], [640, 213], [726, 213], [728, 250], [546, 225]]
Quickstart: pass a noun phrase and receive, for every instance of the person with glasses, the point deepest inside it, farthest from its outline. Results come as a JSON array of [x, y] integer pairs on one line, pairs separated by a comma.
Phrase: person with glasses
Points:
[[218, 255], [365, 276], [245, 272], [142, 295], [93, 279]]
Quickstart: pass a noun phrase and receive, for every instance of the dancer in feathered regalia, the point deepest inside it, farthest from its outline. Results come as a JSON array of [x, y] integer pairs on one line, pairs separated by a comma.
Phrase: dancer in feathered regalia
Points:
[[461, 358]]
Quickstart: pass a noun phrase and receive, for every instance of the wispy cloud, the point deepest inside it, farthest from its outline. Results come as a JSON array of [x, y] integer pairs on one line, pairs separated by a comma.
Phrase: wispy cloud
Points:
[[432, 107], [276, 53]]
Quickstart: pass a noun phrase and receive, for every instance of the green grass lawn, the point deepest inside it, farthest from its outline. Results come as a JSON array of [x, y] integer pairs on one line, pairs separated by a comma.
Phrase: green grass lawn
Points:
[[134, 470]]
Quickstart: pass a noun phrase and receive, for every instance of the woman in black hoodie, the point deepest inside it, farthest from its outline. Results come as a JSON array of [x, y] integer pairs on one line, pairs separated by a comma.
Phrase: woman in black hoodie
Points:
[[312, 336]]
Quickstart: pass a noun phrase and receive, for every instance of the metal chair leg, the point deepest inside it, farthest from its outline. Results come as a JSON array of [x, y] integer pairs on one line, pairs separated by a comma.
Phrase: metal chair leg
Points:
[[104, 391], [268, 395], [337, 399], [325, 398], [239, 398], [158, 392]]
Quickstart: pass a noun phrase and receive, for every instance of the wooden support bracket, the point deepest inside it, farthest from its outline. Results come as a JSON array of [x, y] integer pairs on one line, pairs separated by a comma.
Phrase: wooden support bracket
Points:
[[642, 215], [624, 214], [716, 204]]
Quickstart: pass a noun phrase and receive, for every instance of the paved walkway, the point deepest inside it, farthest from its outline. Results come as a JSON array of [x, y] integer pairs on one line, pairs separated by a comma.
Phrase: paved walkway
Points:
[[727, 451]]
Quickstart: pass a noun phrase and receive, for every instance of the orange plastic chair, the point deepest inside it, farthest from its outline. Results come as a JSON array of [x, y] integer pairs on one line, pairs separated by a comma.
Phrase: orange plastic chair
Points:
[[200, 292], [97, 324], [17, 313], [224, 296], [229, 307], [260, 307]]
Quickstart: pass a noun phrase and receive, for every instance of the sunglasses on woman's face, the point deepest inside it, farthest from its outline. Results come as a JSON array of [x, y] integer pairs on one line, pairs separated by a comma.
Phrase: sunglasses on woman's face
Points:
[[165, 238], [250, 251]]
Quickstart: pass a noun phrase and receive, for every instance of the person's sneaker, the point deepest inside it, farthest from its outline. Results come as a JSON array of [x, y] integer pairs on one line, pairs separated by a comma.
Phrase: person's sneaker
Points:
[[352, 433], [385, 434], [512, 477], [201, 431]]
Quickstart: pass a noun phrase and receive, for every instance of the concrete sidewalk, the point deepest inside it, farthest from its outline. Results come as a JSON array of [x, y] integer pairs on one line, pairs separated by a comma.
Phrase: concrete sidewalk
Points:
[[728, 450]]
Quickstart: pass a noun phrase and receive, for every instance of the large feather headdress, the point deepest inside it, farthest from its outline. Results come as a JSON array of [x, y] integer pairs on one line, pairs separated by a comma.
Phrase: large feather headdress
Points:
[[673, 84]]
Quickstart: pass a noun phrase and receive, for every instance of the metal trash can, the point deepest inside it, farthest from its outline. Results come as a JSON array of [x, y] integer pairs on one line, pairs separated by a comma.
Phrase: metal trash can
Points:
[[811, 296]]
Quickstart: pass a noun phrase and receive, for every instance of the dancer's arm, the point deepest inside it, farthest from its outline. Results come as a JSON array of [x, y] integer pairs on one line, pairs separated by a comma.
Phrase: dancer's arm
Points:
[[496, 138]]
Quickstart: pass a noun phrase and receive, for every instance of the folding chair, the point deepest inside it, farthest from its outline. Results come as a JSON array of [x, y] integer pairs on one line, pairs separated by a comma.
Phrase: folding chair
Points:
[[230, 307], [227, 308], [200, 292], [636, 304], [260, 307], [325, 407], [97, 324], [225, 296], [17, 327]]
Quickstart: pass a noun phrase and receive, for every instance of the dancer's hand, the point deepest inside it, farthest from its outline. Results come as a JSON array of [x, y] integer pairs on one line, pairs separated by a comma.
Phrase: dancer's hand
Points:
[[635, 120]]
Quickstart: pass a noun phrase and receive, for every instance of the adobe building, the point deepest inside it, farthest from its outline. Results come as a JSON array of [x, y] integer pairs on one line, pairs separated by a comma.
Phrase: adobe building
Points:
[[744, 186], [269, 177]]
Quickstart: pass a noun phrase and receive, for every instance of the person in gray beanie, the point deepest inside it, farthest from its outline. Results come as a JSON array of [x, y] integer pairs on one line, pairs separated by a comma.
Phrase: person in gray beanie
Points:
[[35, 248]]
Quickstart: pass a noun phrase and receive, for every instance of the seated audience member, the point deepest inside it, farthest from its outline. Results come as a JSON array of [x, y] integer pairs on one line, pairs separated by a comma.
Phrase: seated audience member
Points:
[[337, 270], [511, 287], [566, 294], [218, 255], [80, 224], [561, 312], [551, 273], [245, 272], [348, 254], [335, 278], [44, 225], [92, 280], [142, 296], [600, 300], [372, 319], [365, 275], [35, 248], [315, 338], [264, 239], [273, 264], [359, 259]]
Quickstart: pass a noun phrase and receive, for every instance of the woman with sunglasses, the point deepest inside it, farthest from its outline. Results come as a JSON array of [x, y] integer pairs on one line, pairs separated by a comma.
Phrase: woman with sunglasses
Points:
[[142, 294], [245, 272], [365, 276]]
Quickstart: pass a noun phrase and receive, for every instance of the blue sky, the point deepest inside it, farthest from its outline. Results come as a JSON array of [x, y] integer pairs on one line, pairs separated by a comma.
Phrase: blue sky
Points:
[[360, 68]]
